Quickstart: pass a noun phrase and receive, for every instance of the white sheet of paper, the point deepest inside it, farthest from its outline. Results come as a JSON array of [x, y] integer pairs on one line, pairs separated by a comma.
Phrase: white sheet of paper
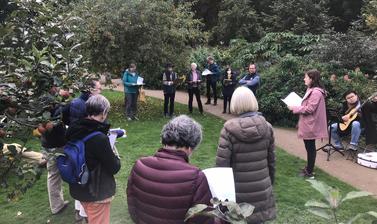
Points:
[[113, 135], [112, 138], [221, 183], [292, 99], [140, 81], [206, 72]]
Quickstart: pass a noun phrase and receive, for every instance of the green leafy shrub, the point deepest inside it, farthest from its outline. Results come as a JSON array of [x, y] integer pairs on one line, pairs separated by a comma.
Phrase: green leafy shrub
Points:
[[225, 210], [347, 51], [328, 207]]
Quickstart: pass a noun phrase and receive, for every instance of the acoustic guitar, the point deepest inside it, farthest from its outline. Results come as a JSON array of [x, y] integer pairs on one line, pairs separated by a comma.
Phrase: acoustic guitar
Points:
[[352, 113]]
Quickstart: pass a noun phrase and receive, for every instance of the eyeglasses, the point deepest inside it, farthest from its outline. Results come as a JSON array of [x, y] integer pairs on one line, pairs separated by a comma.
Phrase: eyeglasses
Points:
[[350, 97]]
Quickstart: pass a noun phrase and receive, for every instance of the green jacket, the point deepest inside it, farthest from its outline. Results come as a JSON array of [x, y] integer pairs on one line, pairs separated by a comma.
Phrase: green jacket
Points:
[[129, 82]]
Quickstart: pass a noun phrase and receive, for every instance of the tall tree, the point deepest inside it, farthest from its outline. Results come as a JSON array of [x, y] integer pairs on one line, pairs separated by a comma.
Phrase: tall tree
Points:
[[238, 19], [300, 16], [344, 12], [39, 52], [141, 31]]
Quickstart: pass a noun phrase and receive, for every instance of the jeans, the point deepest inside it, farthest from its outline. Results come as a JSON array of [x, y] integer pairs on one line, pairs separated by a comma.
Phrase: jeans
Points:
[[191, 92], [169, 98], [131, 104], [355, 134], [311, 154]]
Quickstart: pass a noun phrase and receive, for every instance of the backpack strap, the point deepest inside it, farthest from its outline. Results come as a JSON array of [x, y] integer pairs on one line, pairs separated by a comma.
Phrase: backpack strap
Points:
[[91, 135]]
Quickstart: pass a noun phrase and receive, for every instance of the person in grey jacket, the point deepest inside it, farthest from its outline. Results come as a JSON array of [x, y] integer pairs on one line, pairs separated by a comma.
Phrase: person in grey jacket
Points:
[[247, 145]]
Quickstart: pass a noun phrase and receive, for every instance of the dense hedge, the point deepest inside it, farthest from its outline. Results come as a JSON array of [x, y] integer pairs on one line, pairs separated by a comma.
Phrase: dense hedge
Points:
[[286, 75]]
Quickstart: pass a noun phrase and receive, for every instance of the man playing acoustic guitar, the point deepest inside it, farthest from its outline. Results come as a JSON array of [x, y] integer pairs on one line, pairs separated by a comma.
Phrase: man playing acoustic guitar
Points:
[[350, 122]]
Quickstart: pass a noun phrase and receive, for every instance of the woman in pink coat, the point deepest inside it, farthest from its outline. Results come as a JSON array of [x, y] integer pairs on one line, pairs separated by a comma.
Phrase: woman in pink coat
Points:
[[312, 122]]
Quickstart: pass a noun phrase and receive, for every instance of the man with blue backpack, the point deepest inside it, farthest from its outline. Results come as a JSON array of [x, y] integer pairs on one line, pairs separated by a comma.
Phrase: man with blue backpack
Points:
[[90, 163]]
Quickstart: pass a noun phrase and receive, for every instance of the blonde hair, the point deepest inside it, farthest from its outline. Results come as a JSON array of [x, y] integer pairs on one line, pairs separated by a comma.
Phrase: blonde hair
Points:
[[243, 100]]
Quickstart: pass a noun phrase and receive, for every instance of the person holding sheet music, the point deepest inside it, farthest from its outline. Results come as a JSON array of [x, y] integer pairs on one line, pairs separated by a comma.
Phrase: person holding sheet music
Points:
[[228, 82], [169, 79], [194, 80], [354, 128], [102, 161], [312, 122], [131, 90], [247, 145], [211, 80]]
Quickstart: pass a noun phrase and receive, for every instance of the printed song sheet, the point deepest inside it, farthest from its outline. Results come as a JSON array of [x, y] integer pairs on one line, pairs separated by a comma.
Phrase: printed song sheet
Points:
[[221, 183], [140, 81], [206, 72], [292, 99], [113, 135]]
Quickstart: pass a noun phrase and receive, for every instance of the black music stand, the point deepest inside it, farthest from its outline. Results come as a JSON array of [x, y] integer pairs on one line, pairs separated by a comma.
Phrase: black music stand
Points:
[[329, 148]]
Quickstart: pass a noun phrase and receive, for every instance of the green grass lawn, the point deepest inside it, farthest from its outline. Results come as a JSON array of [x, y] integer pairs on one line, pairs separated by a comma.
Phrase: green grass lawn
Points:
[[144, 138]]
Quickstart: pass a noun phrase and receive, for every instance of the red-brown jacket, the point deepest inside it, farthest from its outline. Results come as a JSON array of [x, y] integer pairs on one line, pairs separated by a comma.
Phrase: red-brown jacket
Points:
[[161, 188]]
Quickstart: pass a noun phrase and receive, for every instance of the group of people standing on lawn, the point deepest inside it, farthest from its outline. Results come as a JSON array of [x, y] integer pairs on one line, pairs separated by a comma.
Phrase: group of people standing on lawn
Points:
[[193, 80], [161, 188]]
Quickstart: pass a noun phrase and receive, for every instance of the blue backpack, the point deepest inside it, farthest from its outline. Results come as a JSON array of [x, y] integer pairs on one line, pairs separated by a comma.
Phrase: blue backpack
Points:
[[71, 163]]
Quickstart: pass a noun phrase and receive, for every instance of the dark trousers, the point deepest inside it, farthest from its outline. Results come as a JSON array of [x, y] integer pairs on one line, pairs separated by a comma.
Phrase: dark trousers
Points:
[[227, 100], [131, 104], [191, 93], [311, 154], [369, 112], [211, 84], [169, 98]]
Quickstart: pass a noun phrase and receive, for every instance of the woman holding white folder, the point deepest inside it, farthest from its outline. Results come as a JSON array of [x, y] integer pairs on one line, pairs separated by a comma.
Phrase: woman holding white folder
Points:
[[247, 145], [312, 122]]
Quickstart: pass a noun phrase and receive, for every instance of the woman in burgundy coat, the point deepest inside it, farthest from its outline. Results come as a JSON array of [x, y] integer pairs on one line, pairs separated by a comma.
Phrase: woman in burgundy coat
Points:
[[312, 122], [161, 188]]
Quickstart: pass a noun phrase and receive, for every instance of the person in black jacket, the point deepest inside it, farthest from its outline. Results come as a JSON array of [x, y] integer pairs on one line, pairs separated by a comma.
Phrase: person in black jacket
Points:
[[169, 79], [211, 79], [228, 82], [100, 158]]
